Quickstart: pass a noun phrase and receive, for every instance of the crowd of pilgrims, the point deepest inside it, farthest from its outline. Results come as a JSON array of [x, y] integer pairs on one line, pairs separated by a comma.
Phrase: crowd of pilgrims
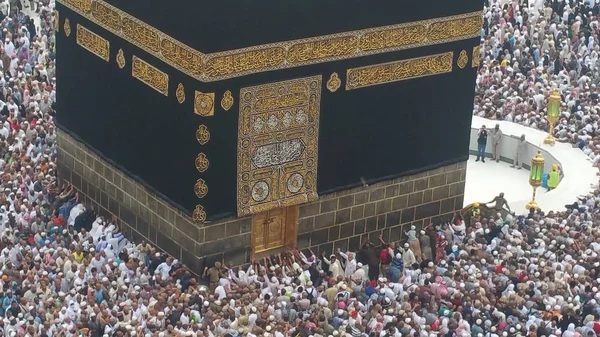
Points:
[[65, 271]]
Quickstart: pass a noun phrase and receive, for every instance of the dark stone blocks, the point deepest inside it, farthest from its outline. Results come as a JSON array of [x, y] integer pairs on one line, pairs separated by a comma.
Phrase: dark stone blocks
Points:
[[344, 219]]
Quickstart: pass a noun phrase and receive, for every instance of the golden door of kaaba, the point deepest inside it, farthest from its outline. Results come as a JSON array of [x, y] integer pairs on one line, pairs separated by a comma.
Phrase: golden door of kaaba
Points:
[[274, 229]]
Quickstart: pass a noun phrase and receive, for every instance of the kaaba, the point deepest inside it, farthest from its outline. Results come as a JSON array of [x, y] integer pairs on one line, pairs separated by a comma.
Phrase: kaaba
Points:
[[225, 130]]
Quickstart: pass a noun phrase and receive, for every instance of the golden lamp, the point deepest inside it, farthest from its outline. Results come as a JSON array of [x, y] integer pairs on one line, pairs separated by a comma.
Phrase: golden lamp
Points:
[[553, 111], [535, 177]]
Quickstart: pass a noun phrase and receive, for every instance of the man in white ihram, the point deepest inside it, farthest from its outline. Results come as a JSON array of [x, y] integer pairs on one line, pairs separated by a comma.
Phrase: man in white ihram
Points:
[[164, 268]]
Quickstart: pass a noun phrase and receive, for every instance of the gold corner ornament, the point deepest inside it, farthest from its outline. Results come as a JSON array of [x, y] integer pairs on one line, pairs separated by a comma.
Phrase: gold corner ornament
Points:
[[200, 188], [121, 59], [204, 104], [67, 27], [334, 82], [202, 134], [463, 59], [202, 162], [227, 100], [180, 93], [56, 21], [199, 215]]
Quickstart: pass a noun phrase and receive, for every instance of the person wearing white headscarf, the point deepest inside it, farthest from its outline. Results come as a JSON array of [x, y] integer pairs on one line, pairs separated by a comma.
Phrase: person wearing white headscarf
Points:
[[570, 331]]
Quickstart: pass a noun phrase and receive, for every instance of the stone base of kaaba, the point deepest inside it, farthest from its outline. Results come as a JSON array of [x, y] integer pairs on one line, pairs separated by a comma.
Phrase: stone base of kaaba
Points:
[[343, 219]]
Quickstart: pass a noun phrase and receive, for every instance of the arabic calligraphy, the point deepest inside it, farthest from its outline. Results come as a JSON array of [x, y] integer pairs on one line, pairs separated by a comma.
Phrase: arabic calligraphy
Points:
[[106, 15], [326, 48], [475, 57], [121, 59], [199, 215], [184, 56], [56, 21], [67, 27], [82, 6], [180, 93], [397, 37], [334, 82], [149, 75], [276, 122], [227, 100], [279, 55], [141, 33], [245, 62], [463, 59], [399, 70], [279, 102], [454, 28], [93, 42], [278, 153]]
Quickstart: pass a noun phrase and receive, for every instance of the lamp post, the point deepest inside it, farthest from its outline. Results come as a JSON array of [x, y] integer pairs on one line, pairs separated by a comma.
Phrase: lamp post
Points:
[[552, 114], [535, 177]]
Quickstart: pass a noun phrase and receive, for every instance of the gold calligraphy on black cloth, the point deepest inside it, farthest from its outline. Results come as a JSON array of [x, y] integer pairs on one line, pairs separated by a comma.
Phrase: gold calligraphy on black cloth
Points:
[[278, 132], [399, 70], [280, 55], [93, 42], [150, 75]]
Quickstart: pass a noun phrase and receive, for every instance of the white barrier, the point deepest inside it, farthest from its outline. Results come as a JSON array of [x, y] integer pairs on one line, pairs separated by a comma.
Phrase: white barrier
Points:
[[578, 173]]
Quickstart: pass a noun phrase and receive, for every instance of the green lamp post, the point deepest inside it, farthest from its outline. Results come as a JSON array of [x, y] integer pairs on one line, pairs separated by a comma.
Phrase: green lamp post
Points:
[[552, 114], [535, 177]]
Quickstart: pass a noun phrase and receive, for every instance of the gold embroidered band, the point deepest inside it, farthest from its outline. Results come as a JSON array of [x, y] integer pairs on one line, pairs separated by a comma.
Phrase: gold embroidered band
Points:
[[280, 55], [398, 70]]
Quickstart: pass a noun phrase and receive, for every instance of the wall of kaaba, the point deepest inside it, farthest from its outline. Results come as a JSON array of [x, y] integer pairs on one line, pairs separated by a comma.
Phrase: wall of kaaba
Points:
[[149, 96], [184, 128], [344, 219]]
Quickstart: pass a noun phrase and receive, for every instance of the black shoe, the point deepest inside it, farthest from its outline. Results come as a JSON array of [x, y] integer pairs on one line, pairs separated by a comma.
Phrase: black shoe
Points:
[[477, 159], [483, 160]]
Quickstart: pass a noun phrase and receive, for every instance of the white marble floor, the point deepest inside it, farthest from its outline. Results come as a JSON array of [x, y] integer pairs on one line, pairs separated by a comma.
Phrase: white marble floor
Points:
[[487, 180]]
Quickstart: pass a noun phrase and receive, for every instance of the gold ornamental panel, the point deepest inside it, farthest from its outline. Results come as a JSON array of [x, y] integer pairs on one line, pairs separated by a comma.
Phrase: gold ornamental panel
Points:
[[202, 162], [463, 59], [475, 57], [209, 67], [150, 75], [199, 215], [121, 59], [93, 43], [180, 93], [67, 27], [227, 100], [202, 134], [399, 70], [278, 144], [201, 189], [56, 20], [334, 82], [204, 103]]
